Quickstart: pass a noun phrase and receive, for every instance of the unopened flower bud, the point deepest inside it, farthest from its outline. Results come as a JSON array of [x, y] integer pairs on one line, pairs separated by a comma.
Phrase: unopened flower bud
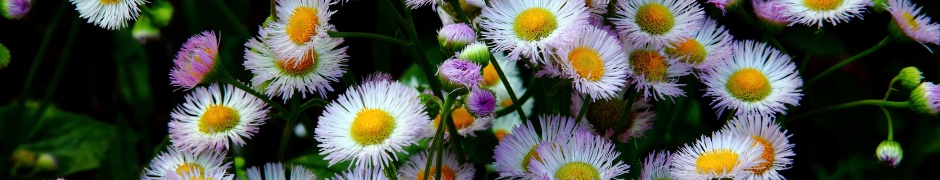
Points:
[[162, 13], [910, 77], [454, 37], [455, 73], [926, 98], [476, 52], [15, 9], [47, 162], [890, 152], [481, 102]]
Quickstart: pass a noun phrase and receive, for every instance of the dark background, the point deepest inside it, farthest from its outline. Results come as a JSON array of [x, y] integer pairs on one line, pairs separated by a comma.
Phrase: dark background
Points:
[[123, 84]]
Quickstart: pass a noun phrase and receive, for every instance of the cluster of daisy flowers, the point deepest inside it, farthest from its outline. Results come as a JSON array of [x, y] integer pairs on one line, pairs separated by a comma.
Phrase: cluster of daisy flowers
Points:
[[619, 57]]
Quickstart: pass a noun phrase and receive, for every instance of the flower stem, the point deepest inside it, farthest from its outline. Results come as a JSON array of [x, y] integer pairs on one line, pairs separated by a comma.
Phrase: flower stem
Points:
[[274, 9], [438, 141], [584, 107], [289, 127], [890, 126], [53, 85], [858, 56], [370, 36], [505, 82], [874, 102], [525, 97], [773, 40], [455, 4], [891, 86]]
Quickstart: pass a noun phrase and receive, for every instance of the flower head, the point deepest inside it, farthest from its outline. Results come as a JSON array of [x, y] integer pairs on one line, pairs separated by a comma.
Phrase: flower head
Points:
[[476, 52], [529, 29], [656, 166], [756, 80], [654, 73], [465, 121], [890, 152], [213, 116], [369, 122], [15, 9], [283, 76], [177, 164], [595, 62], [816, 12], [275, 171], [708, 46], [926, 98], [603, 117], [459, 73], [771, 14], [777, 154], [517, 151], [195, 60], [108, 14], [912, 23], [481, 102], [723, 155], [657, 22], [910, 77], [361, 173], [454, 37], [301, 25], [450, 169], [582, 156]]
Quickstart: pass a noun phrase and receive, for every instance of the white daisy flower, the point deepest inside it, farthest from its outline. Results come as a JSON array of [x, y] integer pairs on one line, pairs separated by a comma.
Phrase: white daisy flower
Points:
[[300, 26], [108, 14], [529, 29], [656, 166], [450, 169], [654, 73], [657, 22], [370, 123], [177, 164], [595, 62], [723, 155], [465, 122], [213, 116], [603, 117], [583, 156], [283, 76], [710, 45], [361, 173], [818, 11], [915, 25], [275, 171], [756, 80], [777, 151], [516, 151]]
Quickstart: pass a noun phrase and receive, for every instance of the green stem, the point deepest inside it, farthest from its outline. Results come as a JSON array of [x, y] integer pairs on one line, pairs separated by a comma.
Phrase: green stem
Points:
[[525, 97], [455, 4], [230, 16], [627, 112], [858, 56], [890, 126], [26, 90], [53, 85], [288, 128], [773, 40], [423, 61], [891, 86], [438, 140], [228, 79], [274, 9], [370, 36], [512, 95], [816, 35], [873, 102], [584, 107], [315, 102]]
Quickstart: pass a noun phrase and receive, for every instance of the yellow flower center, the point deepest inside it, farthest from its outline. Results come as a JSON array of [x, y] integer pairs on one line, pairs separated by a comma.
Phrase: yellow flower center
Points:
[[822, 5], [303, 24], [534, 24], [655, 19], [768, 155], [690, 50], [910, 20], [446, 173], [106, 2], [292, 67], [190, 168], [500, 133], [461, 116], [506, 102], [719, 161], [650, 64], [604, 114], [748, 85], [218, 118], [587, 63], [489, 75], [531, 155], [372, 126], [577, 171]]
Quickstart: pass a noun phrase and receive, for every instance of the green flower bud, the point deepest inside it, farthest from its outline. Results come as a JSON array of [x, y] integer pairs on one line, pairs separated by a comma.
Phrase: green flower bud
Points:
[[477, 53], [926, 98], [431, 105], [889, 152], [144, 30], [910, 77], [162, 13], [46, 162]]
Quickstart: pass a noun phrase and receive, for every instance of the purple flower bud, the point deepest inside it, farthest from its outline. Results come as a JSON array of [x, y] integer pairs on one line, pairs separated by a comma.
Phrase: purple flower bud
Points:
[[378, 76], [481, 102], [454, 37], [15, 9], [460, 72]]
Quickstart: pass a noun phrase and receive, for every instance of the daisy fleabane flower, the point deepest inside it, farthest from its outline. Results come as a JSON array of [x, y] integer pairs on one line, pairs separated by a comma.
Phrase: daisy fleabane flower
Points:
[[529, 29], [465, 122], [275, 171], [654, 73], [771, 11], [108, 14], [657, 22], [598, 7], [710, 45], [178, 164], [283, 76], [369, 122], [925, 98], [815, 12], [756, 80], [213, 116], [603, 117], [455, 73], [300, 26], [595, 62], [195, 60], [450, 169], [415, 4], [582, 156], [656, 166], [517, 151], [777, 151], [723, 155], [914, 25]]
